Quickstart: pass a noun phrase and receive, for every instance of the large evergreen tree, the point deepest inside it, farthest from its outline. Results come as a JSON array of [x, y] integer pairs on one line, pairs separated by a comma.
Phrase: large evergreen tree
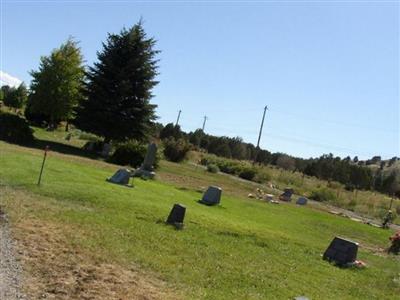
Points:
[[117, 106], [56, 87]]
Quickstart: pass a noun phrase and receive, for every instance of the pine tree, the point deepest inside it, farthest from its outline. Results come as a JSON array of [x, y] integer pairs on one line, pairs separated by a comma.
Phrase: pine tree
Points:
[[56, 87], [118, 92]]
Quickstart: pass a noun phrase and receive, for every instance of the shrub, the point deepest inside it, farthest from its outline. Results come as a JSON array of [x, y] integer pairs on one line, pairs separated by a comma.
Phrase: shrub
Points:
[[212, 168], [129, 153], [14, 129], [262, 176], [88, 137], [247, 173], [176, 150], [323, 194]]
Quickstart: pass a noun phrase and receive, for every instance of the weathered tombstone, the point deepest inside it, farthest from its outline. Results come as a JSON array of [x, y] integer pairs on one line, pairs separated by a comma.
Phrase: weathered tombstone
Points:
[[105, 152], [341, 251], [147, 168], [302, 201], [122, 176], [269, 197], [212, 196], [89, 146], [177, 215], [286, 196]]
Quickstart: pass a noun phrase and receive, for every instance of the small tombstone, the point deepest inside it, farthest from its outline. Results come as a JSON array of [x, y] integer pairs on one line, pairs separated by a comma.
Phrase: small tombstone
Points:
[[212, 196], [269, 197], [341, 251], [147, 167], [286, 196], [89, 146], [176, 216], [302, 201], [105, 152], [122, 176]]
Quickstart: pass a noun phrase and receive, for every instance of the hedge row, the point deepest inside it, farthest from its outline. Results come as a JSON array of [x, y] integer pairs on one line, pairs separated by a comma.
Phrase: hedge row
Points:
[[241, 169]]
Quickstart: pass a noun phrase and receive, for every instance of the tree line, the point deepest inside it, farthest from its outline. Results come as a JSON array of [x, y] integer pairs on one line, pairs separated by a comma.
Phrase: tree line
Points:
[[354, 174]]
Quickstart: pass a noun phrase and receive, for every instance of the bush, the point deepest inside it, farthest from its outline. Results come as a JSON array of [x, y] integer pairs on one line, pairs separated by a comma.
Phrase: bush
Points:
[[262, 176], [129, 153], [176, 150], [247, 173], [212, 168], [323, 194], [88, 137], [14, 129]]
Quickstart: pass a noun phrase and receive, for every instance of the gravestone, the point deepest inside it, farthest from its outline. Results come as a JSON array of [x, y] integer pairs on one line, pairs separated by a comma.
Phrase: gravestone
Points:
[[341, 251], [177, 215], [105, 152], [122, 176], [212, 196], [147, 167], [268, 197], [89, 146], [302, 201], [286, 196]]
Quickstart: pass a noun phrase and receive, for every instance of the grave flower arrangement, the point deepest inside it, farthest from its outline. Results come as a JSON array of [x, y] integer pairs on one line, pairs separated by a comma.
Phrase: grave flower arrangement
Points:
[[395, 247]]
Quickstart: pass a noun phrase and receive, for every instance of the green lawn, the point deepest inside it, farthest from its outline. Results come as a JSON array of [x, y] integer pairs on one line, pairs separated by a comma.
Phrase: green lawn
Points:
[[243, 249]]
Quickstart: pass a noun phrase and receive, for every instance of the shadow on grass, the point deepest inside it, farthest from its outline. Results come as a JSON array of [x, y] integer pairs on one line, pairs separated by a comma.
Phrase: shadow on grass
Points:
[[62, 148]]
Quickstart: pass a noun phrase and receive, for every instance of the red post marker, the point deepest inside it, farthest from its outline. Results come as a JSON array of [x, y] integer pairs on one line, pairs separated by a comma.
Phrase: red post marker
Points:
[[44, 160]]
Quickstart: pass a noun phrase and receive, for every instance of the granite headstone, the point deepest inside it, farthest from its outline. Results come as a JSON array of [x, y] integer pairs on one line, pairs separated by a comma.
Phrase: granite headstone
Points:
[[212, 196], [122, 176], [341, 251], [302, 201], [286, 196], [177, 215], [147, 167]]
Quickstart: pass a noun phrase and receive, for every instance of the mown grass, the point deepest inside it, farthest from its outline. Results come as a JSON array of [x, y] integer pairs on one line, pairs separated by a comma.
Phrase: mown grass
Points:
[[240, 250], [366, 203]]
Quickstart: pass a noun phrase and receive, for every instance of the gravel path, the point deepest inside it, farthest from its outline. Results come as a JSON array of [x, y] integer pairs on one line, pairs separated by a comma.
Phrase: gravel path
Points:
[[10, 272]]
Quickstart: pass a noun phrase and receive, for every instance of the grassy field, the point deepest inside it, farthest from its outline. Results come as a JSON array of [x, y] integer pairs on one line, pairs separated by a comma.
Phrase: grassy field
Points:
[[365, 203], [89, 236]]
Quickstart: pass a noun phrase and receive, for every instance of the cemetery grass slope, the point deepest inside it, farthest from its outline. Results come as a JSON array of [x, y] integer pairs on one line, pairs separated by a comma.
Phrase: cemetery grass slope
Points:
[[106, 241]]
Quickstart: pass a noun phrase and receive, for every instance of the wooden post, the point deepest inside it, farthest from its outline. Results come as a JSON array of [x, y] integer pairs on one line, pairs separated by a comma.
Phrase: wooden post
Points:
[[44, 160]]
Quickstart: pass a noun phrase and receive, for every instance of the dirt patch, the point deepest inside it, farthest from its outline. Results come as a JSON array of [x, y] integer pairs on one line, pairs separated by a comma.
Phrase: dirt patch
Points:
[[10, 270], [54, 267], [57, 270]]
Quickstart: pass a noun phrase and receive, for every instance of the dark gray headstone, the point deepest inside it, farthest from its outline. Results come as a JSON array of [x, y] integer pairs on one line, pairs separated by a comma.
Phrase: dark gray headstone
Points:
[[177, 215], [122, 176], [302, 201], [147, 167], [212, 196], [150, 158], [287, 195], [341, 251], [105, 152]]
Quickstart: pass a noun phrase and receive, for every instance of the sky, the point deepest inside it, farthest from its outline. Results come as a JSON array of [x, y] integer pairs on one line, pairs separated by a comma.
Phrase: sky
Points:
[[327, 70]]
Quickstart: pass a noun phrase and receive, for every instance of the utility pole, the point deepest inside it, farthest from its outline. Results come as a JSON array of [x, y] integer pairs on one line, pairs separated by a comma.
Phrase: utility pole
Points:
[[261, 127], [177, 119], [259, 135], [204, 122]]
